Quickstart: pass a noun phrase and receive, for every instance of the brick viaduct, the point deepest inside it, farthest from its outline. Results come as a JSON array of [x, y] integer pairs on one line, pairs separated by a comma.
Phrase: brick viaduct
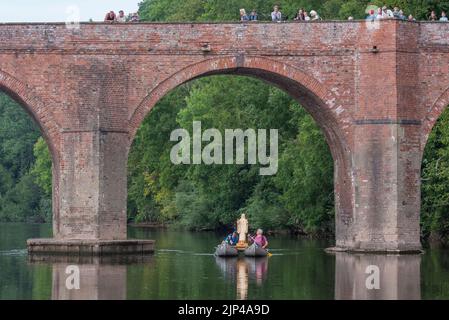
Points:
[[375, 89]]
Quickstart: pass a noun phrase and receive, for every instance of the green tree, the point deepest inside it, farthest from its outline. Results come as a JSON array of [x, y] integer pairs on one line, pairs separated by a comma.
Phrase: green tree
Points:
[[18, 134], [149, 156], [42, 176], [20, 196], [305, 180], [435, 186], [41, 169]]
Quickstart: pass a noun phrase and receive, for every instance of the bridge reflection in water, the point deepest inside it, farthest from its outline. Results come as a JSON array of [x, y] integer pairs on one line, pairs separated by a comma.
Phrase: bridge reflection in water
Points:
[[241, 270], [399, 277], [106, 278], [101, 278]]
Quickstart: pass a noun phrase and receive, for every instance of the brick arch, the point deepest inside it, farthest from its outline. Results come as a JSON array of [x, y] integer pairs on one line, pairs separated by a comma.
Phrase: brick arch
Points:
[[34, 107], [334, 120], [275, 72], [320, 102], [432, 116]]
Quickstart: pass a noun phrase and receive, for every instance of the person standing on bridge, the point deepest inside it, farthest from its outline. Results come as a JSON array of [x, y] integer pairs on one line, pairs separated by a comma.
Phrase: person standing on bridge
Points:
[[433, 16], [402, 15], [387, 13], [121, 17], [243, 15], [443, 17], [135, 17], [371, 16], [276, 15], [314, 16], [380, 14], [253, 16], [306, 16], [110, 17], [396, 12], [300, 15]]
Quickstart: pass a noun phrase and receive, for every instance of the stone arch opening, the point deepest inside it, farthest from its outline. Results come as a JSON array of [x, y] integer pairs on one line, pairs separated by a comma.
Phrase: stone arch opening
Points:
[[434, 161], [34, 107], [432, 116], [335, 122], [318, 101]]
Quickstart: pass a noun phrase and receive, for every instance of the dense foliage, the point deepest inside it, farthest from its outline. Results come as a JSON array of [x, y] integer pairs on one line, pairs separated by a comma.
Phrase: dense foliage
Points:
[[299, 197], [210, 196], [435, 178], [21, 198]]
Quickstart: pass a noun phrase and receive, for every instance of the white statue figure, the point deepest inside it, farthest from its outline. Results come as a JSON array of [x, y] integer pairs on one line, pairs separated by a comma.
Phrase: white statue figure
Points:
[[242, 228]]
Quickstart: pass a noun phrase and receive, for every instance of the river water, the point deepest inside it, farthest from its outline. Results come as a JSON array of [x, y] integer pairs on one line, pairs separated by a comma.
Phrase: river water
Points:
[[183, 267]]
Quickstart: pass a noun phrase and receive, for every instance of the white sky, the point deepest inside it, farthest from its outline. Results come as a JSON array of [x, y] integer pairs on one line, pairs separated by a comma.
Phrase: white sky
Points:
[[61, 10]]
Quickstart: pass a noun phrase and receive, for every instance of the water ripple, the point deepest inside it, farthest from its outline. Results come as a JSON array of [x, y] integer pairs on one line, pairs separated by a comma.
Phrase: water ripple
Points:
[[14, 252]]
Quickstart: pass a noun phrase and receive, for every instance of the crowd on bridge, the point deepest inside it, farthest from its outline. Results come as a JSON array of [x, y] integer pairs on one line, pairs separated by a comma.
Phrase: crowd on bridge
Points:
[[277, 16], [374, 13], [112, 17], [397, 13]]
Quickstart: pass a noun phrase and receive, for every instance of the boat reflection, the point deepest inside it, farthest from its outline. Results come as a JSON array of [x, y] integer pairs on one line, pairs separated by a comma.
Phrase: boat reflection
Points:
[[399, 277], [100, 278], [242, 270]]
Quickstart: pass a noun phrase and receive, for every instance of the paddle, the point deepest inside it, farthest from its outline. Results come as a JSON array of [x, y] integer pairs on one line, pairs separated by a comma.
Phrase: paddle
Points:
[[269, 254]]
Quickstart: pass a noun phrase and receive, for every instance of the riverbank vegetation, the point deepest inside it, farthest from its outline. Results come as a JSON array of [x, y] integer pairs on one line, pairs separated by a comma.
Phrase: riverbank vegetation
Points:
[[298, 198]]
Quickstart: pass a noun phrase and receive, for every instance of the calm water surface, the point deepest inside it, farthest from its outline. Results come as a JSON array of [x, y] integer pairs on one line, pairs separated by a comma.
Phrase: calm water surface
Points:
[[183, 267]]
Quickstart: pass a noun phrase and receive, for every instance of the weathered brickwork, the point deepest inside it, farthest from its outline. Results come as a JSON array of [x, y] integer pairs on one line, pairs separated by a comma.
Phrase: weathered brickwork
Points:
[[375, 89]]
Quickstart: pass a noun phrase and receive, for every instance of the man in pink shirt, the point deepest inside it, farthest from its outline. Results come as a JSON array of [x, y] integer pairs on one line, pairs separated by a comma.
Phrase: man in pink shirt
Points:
[[260, 239]]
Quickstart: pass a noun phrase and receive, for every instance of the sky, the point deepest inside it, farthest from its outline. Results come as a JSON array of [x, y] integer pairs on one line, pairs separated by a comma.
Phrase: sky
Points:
[[61, 10]]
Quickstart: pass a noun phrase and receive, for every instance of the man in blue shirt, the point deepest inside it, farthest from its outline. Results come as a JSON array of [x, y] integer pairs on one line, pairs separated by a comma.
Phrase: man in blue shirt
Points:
[[371, 16], [253, 16], [232, 238]]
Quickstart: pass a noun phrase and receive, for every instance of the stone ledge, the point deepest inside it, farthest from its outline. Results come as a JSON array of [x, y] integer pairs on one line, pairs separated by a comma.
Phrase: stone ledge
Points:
[[110, 259], [373, 250], [89, 247]]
